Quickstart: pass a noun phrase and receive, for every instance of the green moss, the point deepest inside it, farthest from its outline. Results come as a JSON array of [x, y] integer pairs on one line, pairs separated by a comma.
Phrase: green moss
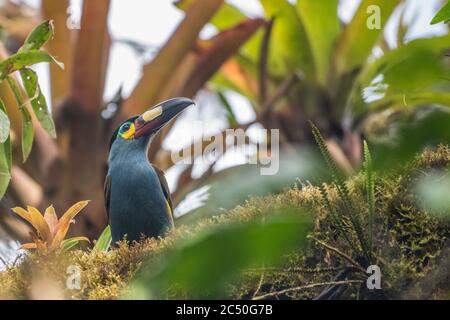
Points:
[[411, 247]]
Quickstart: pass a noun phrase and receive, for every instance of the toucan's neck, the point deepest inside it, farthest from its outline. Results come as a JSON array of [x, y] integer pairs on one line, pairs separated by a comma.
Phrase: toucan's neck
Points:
[[123, 151]]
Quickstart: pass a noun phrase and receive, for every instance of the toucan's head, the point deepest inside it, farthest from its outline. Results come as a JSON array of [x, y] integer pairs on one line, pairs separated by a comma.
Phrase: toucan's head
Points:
[[136, 132]]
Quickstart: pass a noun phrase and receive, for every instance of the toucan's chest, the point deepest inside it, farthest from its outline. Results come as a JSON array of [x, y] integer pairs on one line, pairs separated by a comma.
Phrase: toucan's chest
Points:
[[137, 203]]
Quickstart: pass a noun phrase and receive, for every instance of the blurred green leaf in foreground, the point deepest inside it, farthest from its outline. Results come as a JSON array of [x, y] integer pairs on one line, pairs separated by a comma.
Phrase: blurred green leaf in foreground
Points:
[[203, 266], [433, 191]]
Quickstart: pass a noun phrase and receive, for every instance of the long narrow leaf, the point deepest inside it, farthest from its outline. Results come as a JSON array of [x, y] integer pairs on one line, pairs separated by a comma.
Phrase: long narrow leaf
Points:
[[27, 123], [4, 123], [38, 222], [226, 17], [222, 47], [104, 241], [292, 51], [169, 57], [52, 219], [39, 36], [443, 14], [357, 40], [68, 244], [5, 153], [321, 22]]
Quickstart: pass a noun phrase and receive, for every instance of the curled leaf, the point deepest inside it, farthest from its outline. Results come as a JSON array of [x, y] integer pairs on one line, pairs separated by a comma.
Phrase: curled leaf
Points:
[[64, 222], [21, 212], [27, 123], [72, 242], [38, 222], [39, 36]]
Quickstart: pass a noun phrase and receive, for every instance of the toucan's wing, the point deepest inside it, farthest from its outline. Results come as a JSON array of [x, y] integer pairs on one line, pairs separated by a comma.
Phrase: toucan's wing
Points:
[[162, 181], [107, 191], [165, 188]]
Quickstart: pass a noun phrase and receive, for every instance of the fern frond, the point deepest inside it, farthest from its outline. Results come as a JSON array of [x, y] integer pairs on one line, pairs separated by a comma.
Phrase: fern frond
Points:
[[343, 191], [335, 216], [370, 186]]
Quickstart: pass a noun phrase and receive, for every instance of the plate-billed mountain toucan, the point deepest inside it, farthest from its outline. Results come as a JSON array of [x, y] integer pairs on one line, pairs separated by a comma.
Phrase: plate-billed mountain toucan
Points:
[[137, 196]]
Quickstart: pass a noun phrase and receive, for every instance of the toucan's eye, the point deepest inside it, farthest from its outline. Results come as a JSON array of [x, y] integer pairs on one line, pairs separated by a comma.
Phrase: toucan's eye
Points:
[[127, 131], [125, 128]]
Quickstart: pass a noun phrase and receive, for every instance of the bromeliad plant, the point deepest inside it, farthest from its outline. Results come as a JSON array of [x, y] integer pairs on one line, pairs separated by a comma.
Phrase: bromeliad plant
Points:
[[308, 64], [49, 230]]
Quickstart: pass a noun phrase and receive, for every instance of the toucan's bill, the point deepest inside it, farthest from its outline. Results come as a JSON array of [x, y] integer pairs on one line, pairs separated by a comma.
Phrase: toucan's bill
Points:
[[155, 118]]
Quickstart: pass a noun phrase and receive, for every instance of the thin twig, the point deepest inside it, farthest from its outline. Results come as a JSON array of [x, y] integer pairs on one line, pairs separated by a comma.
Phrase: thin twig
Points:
[[3, 261], [341, 254], [261, 279], [295, 269], [280, 93], [308, 286]]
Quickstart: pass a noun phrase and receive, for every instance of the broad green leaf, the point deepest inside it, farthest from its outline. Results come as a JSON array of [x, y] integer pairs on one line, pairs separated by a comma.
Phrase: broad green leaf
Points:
[[322, 26], [418, 71], [443, 14], [411, 100], [104, 241], [289, 43], [408, 136], [37, 100], [5, 165], [23, 59], [226, 17], [4, 123], [419, 75], [434, 45], [39, 36], [362, 33], [27, 123], [204, 265]]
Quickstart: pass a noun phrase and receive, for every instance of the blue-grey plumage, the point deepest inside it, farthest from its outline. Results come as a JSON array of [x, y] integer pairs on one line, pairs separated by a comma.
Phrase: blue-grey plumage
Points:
[[137, 202], [136, 193]]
